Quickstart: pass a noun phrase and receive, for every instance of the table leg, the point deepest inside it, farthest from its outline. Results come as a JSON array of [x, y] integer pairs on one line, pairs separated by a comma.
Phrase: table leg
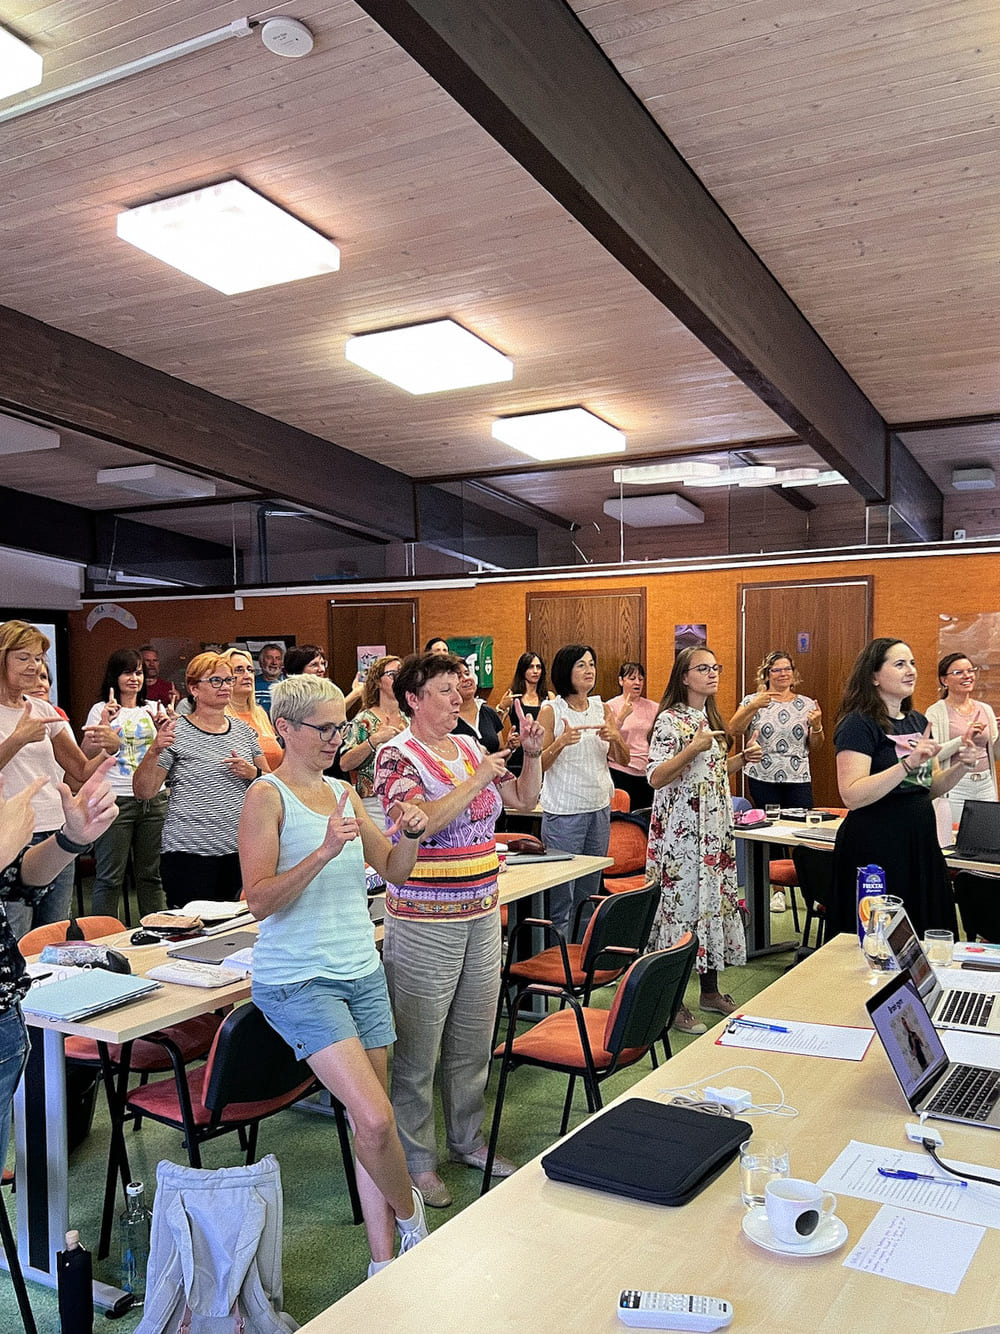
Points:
[[116, 1089], [758, 904]]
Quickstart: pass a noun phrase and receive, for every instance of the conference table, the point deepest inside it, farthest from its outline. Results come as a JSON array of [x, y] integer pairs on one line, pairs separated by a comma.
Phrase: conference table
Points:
[[42, 1159], [543, 1256]]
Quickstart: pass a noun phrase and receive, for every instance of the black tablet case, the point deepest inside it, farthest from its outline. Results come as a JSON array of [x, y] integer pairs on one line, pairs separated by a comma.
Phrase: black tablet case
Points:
[[648, 1151]]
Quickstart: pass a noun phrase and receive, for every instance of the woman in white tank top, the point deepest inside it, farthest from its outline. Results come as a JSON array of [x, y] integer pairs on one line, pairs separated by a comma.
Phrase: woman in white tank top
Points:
[[581, 733]]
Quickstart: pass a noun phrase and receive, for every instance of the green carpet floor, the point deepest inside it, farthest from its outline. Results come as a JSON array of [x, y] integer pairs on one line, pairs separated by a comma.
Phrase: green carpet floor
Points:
[[324, 1254]]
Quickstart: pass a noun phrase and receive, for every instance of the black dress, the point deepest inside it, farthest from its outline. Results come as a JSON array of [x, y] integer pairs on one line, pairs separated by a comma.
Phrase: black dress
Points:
[[490, 728], [897, 832]]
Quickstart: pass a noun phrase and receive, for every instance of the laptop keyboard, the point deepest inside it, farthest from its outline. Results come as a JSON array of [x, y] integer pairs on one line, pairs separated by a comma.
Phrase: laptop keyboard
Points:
[[968, 1092], [966, 1007]]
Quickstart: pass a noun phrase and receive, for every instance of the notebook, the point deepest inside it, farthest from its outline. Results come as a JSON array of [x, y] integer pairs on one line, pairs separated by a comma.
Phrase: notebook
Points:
[[216, 949], [978, 838], [967, 1010], [931, 1084], [78, 997]]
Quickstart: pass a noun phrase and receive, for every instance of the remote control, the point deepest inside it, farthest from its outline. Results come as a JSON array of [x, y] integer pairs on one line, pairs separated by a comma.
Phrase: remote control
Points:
[[673, 1310]]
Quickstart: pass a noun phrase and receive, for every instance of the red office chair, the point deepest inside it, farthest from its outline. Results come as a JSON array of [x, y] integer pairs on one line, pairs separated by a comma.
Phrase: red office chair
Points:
[[591, 1043], [627, 841]]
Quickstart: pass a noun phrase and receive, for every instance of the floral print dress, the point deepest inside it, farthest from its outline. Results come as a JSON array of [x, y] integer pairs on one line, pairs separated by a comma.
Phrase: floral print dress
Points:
[[692, 849]]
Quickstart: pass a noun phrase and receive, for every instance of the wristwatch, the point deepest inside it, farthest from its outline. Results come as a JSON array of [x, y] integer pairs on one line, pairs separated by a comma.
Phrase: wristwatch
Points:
[[66, 843]]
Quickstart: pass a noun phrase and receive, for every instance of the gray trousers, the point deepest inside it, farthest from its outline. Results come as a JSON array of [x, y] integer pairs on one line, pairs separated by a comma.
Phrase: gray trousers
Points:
[[444, 980], [588, 834]]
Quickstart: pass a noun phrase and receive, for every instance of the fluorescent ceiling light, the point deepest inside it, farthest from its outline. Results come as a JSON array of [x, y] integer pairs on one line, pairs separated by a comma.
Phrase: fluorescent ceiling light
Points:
[[666, 511], [429, 358], [652, 474], [18, 437], [754, 474], [831, 478], [20, 67], [152, 479], [797, 476], [566, 433], [973, 479], [230, 238]]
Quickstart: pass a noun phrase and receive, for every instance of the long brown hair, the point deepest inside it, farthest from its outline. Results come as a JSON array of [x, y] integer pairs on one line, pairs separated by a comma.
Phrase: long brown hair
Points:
[[676, 692], [860, 694], [376, 670]]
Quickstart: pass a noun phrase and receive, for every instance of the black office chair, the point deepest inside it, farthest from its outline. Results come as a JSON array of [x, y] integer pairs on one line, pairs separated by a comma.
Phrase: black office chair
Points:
[[593, 1044], [816, 884]]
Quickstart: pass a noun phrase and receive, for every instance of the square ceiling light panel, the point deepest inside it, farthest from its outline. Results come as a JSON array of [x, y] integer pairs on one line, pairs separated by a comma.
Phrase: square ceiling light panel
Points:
[[21, 437], [429, 358], [229, 237], [152, 479], [665, 511], [20, 67], [565, 433]]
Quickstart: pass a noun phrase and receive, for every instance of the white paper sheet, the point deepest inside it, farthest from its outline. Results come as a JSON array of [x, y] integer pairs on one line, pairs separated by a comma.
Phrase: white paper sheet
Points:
[[855, 1172], [915, 1248], [969, 979], [801, 1039], [971, 1048]]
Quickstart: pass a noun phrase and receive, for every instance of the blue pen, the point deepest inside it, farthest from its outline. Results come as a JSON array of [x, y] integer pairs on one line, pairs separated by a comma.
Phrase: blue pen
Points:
[[898, 1174], [757, 1023]]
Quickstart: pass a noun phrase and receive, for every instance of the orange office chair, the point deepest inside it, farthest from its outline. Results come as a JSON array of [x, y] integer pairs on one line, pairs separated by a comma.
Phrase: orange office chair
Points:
[[621, 801], [627, 846], [592, 1044]]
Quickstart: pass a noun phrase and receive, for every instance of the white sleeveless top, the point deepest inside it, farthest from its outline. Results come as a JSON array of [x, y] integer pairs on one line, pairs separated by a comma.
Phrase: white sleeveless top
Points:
[[579, 780]]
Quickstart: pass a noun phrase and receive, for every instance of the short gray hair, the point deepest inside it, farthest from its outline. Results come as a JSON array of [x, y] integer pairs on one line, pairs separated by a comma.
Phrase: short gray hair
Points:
[[296, 696]]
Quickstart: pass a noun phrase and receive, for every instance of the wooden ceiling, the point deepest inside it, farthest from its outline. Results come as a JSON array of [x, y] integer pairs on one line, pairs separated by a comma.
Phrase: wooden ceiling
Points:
[[854, 146]]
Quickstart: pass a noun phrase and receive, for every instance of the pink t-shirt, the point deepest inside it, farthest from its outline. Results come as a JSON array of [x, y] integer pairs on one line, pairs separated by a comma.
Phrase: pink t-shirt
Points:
[[33, 760], [635, 731]]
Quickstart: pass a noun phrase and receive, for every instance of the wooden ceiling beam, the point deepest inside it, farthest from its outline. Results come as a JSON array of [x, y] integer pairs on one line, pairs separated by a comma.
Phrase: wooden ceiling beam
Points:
[[69, 381], [530, 73]]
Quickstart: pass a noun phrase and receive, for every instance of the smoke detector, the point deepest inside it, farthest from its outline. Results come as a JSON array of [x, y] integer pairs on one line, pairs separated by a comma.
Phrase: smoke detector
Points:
[[286, 37]]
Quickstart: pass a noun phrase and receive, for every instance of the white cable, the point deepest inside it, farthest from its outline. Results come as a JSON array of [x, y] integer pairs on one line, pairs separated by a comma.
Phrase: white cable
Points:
[[693, 1092]]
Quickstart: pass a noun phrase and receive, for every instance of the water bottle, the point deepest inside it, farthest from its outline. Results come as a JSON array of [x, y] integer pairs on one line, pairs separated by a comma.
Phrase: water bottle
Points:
[[134, 1223], [74, 1279], [871, 885]]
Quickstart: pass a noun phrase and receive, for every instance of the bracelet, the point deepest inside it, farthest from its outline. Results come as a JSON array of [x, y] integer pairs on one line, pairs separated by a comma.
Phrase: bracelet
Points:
[[531, 754], [369, 740], [816, 730], [906, 767], [66, 843], [407, 834]]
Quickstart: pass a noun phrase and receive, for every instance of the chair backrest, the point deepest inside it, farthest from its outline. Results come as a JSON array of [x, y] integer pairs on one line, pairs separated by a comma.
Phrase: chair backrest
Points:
[[623, 920], [251, 1063], [620, 800], [815, 873], [649, 996], [54, 933], [626, 846]]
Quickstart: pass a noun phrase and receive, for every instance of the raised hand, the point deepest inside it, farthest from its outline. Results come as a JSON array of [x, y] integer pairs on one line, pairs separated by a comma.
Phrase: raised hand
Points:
[[704, 739], [240, 767], [93, 809], [570, 736], [111, 710], [814, 716], [174, 697], [166, 730], [491, 767], [625, 712], [29, 727], [530, 732], [924, 748], [102, 737], [17, 820], [341, 828], [969, 753], [409, 818], [753, 752]]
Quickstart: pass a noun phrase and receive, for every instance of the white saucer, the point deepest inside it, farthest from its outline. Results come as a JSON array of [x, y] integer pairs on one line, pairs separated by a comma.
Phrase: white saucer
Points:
[[829, 1236]]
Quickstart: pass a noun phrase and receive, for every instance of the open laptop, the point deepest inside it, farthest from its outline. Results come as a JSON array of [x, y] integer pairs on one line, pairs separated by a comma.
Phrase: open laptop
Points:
[[931, 1084], [970, 1011], [978, 838]]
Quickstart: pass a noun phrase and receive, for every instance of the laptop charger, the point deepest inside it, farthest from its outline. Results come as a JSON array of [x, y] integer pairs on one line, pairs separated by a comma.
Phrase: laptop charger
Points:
[[737, 1100]]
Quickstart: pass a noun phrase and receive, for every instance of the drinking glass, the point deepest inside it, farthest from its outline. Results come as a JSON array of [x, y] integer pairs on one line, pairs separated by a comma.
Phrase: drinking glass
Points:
[[938, 947], [761, 1161], [773, 812], [814, 817]]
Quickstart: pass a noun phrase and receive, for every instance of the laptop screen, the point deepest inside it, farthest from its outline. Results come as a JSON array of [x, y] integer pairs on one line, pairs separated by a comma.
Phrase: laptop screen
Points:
[[914, 1049], [979, 829], [909, 953]]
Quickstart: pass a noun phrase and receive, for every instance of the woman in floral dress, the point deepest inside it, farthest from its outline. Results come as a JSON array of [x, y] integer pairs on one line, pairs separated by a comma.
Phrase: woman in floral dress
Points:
[[692, 849]]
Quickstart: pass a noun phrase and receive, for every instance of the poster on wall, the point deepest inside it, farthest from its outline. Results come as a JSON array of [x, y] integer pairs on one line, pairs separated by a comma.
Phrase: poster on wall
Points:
[[477, 650], [367, 654], [689, 636], [977, 637]]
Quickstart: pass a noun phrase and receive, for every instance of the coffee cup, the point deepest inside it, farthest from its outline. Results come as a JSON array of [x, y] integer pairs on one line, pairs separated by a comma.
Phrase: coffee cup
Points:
[[796, 1209]]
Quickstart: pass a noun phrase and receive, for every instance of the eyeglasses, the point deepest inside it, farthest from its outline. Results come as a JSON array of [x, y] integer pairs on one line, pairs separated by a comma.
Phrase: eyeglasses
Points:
[[390, 676], [706, 667], [964, 671], [327, 731], [243, 671], [776, 671], [216, 682]]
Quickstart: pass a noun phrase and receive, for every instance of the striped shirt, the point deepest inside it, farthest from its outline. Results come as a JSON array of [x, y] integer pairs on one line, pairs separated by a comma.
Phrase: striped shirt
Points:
[[203, 814]]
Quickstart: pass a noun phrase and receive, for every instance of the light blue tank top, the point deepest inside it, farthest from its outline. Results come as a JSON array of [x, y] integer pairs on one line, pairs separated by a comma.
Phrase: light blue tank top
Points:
[[326, 931]]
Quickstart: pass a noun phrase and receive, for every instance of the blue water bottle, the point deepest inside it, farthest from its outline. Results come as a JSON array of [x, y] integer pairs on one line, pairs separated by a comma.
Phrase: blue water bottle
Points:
[[871, 885]]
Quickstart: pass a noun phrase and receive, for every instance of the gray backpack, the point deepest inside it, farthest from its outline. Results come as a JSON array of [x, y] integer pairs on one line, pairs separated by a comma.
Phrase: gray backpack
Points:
[[215, 1252]]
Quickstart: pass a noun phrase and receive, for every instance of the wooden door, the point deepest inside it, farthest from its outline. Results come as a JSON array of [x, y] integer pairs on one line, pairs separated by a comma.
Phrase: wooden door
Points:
[[392, 623], [823, 624], [613, 621]]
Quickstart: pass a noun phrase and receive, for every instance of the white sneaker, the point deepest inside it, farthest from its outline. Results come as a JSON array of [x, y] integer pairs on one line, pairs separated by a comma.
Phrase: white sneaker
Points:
[[778, 901], [376, 1267], [414, 1229]]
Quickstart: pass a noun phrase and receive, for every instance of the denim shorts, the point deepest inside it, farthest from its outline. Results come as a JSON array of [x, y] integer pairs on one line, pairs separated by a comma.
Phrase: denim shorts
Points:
[[316, 1013]]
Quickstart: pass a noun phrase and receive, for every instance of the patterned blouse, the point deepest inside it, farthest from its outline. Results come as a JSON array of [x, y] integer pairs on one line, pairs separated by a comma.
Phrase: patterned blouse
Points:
[[14, 983]]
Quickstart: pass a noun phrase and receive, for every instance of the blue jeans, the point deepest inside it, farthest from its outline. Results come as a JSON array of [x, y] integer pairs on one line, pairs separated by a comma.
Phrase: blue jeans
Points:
[[13, 1055], [588, 834]]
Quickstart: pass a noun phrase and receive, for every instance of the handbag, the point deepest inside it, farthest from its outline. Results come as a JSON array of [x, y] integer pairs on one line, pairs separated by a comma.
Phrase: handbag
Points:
[[648, 1151]]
